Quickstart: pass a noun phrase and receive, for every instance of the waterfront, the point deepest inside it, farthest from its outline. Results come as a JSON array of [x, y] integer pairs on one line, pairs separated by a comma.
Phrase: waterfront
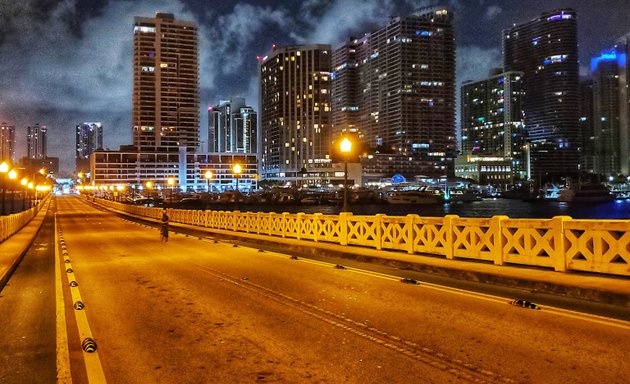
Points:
[[618, 209]]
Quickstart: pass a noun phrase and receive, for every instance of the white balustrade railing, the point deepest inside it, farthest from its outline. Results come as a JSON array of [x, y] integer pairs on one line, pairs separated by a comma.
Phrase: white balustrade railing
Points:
[[560, 243]]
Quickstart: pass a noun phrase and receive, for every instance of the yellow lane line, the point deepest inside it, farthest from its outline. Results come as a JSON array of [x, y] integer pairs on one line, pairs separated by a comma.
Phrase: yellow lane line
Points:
[[93, 367], [588, 317], [64, 375]]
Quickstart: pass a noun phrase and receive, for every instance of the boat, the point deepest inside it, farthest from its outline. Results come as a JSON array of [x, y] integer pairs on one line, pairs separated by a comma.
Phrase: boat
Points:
[[462, 195], [414, 197], [586, 193]]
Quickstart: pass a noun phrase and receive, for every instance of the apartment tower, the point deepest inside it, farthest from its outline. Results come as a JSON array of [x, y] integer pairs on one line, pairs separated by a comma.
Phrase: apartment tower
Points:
[[492, 119], [7, 143], [165, 84], [396, 88], [545, 50], [36, 142], [610, 109], [89, 138], [295, 110], [232, 127]]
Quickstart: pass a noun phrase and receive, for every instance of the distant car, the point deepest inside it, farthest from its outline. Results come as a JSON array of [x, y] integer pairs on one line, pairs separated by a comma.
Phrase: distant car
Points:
[[190, 202]]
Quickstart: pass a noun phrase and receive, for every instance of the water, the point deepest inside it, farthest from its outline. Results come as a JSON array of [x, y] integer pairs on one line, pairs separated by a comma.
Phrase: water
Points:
[[619, 209]]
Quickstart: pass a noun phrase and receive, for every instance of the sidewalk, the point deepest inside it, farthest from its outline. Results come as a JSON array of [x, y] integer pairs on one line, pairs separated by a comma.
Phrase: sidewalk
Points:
[[13, 249]]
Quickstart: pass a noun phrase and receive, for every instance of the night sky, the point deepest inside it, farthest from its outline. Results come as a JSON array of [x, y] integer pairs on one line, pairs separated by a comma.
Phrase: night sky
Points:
[[66, 62]]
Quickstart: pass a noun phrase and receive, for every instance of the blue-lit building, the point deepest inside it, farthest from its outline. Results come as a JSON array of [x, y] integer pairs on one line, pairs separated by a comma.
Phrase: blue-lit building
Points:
[[610, 109], [492, 121], [545, 49]]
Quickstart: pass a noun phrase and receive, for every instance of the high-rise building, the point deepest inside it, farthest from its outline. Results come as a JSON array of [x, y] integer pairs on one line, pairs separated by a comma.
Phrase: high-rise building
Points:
[[166, 84], [610, 110], [492, 119], [89, 138], [232, 127], [36, 146], [545, 50], [7, 142], [622, 50], [587, 129], [396, 87], [295, 110]]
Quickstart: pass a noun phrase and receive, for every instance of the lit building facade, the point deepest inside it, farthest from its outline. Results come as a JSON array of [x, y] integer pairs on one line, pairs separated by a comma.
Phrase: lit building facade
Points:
[[587, 126], [492, 121], [7, 143], [295, 110], [187, 169], [396, 88], [232, 127], [610, 111], [166, 84], [36, 145], [545, 50], [89, 138], [487, 170]]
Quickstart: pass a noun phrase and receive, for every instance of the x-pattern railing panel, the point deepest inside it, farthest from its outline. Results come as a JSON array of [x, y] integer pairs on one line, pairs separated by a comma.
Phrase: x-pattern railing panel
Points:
[[430, 235], [598, 246], [362, 230], [529, 242], [473, 238], [395, 234]]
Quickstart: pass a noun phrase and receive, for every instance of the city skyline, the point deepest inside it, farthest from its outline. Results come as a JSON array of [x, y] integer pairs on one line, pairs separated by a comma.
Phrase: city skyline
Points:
[[87, 73]]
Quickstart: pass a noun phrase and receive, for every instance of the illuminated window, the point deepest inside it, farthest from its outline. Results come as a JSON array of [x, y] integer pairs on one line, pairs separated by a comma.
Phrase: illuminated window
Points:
[[144, 29]]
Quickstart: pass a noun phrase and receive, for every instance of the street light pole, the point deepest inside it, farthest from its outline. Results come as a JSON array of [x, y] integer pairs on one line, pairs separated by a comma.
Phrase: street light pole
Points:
[[12, 176], [24, 183], [4, 168], [346, 147], [208, 176], [237, 171]]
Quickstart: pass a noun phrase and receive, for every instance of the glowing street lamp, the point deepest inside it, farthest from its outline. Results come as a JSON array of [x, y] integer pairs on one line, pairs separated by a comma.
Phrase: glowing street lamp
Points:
[[345, 146], [237, 169], [208, 176], [171, 183]]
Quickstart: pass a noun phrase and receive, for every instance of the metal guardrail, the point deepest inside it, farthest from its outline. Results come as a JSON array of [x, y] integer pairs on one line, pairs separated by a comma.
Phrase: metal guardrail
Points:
[[10, 224], [560, 243]]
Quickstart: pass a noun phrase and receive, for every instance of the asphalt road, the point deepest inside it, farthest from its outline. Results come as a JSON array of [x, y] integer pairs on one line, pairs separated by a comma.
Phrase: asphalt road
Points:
[[198, 311]]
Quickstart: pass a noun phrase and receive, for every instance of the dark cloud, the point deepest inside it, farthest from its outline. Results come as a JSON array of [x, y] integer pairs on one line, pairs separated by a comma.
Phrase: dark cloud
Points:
[[69, 61]]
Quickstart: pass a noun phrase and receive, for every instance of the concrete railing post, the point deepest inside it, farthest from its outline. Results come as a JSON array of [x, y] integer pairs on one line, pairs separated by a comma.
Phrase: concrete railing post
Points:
[[343, 226], [235, 215], [299, 225], [317, 217], [409, 230], [559, 257], [450, 235], [496, 227], [284, 224], [378, 233]]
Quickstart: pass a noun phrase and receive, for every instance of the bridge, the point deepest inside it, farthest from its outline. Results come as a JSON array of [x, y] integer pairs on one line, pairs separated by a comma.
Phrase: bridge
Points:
[[92, 295]]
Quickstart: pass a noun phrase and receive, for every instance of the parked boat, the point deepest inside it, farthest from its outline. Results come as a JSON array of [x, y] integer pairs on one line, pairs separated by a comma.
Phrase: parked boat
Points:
[[586, 193], [414, 197], [462, 195]]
